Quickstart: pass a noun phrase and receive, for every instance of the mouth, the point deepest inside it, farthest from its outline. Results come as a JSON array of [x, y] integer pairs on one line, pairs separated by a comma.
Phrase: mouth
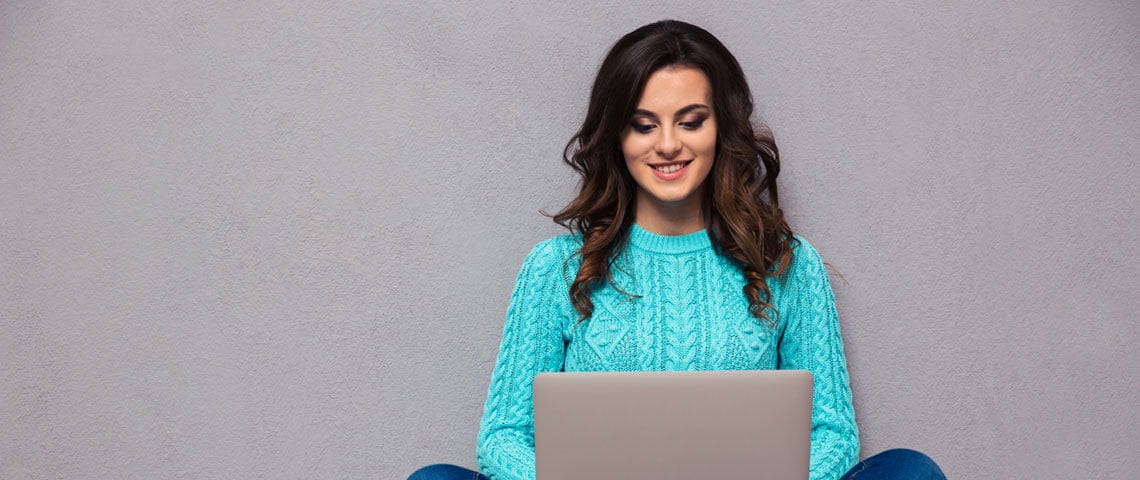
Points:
[[670, 170], [669, 167]]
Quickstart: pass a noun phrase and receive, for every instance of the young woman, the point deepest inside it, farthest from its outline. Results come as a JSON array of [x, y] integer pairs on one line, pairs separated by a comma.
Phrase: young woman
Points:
[[675, 260]]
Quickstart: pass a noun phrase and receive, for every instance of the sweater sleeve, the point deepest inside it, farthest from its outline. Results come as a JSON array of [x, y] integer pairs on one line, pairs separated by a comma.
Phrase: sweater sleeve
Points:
[[531, 343], [811, 341]]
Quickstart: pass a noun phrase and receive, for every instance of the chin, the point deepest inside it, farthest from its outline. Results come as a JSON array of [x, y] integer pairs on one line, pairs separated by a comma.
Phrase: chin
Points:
[[671, 197]]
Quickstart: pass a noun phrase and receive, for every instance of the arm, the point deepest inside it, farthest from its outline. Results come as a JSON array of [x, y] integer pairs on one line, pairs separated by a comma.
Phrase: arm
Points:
[[531, 343], [811, 341]]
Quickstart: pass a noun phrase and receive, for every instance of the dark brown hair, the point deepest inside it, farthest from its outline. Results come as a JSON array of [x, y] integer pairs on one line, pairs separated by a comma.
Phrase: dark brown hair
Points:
[[742, 225]]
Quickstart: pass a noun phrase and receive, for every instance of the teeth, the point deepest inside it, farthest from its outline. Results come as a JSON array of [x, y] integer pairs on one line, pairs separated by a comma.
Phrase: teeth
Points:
[[671, 168]]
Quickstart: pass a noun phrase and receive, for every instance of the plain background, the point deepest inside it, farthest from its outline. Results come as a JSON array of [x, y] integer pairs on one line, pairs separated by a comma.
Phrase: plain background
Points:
[[277, 240]]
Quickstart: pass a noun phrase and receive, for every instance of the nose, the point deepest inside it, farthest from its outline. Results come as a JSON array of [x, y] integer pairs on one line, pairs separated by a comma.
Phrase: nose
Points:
[[667, 144]]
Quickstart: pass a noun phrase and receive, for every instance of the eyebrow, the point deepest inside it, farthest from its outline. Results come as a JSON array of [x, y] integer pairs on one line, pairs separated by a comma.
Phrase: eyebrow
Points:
[[680, 111]]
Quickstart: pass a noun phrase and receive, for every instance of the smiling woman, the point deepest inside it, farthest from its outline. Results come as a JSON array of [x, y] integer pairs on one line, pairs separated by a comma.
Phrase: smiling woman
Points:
[[678, 196]]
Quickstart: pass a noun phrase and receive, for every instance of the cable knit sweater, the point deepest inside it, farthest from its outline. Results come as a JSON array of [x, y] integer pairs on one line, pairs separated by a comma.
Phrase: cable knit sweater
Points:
[[693, 315]]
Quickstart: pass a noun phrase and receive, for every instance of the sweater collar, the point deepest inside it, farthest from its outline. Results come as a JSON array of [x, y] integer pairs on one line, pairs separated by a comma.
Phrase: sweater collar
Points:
[[655, 242]]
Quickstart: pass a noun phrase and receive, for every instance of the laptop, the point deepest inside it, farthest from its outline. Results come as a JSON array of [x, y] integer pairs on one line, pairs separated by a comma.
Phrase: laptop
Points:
[[712, 424]]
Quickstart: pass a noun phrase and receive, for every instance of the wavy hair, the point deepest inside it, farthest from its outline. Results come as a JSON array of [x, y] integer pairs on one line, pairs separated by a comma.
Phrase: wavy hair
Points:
[[743, 225]]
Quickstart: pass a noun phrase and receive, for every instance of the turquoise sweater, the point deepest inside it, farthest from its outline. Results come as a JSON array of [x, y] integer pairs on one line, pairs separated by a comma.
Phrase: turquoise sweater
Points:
[[693, 316]]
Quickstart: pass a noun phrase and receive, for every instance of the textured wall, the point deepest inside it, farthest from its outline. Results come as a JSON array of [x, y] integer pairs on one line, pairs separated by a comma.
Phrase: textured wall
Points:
[[277, 241]]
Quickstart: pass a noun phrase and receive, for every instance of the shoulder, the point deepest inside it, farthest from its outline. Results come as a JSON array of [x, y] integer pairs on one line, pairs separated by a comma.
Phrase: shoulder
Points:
[[560, 245], [807, 263], [555, 248], [553, 253], [803, 251]]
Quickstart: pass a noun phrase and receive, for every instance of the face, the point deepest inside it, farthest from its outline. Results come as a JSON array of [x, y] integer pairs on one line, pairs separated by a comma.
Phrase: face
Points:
[[674, 123]]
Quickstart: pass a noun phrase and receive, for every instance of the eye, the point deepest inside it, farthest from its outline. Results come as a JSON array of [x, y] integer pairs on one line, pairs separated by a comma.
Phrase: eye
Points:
[[688, 125], [642, 128]]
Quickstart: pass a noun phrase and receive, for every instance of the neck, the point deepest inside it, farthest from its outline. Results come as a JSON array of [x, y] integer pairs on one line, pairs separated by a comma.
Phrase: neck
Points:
[[670, 218]]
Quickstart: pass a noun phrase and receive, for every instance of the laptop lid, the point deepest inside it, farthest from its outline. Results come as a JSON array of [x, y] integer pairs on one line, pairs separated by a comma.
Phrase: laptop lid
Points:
[[753, 424]]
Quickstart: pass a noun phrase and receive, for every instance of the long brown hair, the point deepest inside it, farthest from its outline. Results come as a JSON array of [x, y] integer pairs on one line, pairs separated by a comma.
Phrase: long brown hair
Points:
[[742, 225]]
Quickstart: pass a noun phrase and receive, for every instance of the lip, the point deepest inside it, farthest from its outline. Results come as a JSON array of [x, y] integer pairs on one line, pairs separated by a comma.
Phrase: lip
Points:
[[672, 175]]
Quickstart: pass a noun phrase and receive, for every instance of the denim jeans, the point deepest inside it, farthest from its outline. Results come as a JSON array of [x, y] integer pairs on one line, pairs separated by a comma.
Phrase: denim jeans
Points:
[[893, 464]]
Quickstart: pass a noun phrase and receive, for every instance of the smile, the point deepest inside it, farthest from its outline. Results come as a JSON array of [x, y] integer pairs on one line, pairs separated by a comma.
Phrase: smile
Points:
[[671, 171]]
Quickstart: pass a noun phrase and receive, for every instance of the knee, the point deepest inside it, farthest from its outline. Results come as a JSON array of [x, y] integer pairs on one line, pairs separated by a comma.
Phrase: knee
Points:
[[914, 462], [438, 471]]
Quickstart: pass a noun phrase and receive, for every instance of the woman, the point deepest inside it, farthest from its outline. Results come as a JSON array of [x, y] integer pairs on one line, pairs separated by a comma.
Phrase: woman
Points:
[[674, 260]]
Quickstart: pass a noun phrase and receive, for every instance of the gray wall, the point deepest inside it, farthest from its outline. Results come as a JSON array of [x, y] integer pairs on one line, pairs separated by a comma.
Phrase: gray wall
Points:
[[278, 241]]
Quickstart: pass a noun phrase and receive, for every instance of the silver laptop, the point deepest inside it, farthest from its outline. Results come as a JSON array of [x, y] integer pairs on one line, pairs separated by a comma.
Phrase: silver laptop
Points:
[[716, 424]]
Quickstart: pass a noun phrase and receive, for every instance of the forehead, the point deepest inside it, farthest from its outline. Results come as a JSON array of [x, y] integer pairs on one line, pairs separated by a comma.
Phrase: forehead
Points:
[[670, 88]]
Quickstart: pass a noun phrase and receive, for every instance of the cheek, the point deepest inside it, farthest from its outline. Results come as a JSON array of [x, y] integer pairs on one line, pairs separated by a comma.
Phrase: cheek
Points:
[[707, 150], [708, 143], [635, 149]]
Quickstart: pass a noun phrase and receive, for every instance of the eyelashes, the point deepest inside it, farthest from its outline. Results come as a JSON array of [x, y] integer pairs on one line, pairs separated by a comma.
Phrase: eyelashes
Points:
[[689, 125]]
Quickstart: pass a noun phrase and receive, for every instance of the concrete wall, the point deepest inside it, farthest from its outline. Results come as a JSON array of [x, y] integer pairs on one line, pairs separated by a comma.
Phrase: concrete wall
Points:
[[277, 240]]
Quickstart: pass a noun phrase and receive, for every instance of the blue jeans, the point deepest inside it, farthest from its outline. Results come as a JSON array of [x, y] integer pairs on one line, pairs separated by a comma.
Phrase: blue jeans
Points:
[[893, 464]]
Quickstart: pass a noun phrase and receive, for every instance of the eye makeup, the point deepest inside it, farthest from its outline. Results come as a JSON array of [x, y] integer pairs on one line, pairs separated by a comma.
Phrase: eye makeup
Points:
[[641, 112], [691, 125]]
